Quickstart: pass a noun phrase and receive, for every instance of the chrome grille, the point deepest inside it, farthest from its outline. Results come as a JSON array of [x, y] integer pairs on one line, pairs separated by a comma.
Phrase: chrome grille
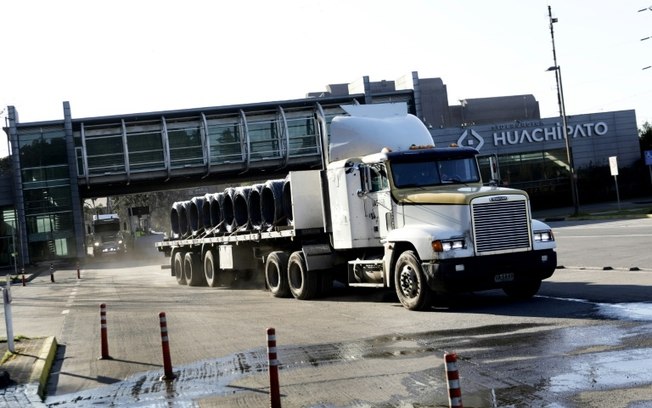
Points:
[[501, 226]]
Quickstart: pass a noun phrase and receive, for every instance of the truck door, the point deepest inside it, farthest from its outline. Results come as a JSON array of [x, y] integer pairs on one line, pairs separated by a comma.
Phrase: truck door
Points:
[[379, 201]]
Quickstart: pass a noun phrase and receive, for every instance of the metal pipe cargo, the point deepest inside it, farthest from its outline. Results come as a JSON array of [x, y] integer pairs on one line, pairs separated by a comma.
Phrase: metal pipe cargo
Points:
[[195, 215], [255, 216], [271, 202], [287, 201], [241, 208], [227, 209]]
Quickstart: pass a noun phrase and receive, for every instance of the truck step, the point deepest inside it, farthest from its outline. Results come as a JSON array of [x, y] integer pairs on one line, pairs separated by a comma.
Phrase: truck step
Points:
[[366, 272], [367, 285]]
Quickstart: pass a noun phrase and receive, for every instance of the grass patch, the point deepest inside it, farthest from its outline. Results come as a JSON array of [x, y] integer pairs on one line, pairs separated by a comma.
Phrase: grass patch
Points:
[[8, 354]]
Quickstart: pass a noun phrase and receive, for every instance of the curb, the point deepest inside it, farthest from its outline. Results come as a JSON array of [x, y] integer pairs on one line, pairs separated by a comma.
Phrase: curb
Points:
[[42, 366], [597, 217]]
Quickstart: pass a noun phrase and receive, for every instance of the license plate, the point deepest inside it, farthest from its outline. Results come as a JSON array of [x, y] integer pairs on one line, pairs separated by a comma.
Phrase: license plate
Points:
[[504, 277]]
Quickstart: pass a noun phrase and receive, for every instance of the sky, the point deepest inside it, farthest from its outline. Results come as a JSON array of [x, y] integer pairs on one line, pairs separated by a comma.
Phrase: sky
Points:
[[120, 57]]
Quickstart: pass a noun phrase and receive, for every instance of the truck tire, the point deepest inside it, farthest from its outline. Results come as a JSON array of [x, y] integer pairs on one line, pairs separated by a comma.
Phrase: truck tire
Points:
[[303, 283], [177, 266], [276, 276], [210, 270], [410, 283], [522, 290], [192, 270]]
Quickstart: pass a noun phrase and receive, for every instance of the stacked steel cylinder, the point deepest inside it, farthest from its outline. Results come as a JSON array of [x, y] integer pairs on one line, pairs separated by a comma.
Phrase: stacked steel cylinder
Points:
[[261, 207]]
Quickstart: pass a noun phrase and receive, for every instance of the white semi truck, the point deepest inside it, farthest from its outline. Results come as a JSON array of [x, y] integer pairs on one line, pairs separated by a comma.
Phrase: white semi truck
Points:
[[387, 210]]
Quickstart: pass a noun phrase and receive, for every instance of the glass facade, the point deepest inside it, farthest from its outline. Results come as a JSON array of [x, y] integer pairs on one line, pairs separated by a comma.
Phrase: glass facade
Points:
[[186, 147], [7, 237], [545, 175], [46, 193], [225, 139]]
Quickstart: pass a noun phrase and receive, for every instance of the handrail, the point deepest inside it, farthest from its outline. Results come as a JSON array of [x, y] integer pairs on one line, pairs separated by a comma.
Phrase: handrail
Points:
[[166, 147], [125, 150], [85, 157], [244, 142], [323, 140], [286, 132], [206, 145]]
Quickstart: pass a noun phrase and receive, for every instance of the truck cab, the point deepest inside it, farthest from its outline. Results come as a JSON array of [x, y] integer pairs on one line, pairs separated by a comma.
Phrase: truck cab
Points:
[[441, 229], [107, 236]]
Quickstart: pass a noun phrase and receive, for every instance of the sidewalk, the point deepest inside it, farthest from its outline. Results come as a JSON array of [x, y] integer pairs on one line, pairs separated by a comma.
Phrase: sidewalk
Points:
[[27, 371], [24, 373], [634, 208]]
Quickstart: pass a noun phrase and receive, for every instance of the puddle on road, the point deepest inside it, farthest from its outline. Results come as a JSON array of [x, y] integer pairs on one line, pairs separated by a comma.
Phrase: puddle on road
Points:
[[531, 355], [626, 311], [605, 370]]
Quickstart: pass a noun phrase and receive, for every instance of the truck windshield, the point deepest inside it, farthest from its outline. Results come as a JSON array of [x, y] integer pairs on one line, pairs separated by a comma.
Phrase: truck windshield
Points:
[[107, 228], [435, 172]]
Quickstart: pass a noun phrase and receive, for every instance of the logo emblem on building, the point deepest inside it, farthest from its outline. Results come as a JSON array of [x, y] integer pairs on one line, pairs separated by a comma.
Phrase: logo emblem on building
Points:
[[471, 138]]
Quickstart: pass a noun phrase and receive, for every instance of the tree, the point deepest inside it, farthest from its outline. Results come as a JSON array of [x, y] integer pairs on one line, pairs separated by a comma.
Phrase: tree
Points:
[[645, 136], [5, 165]]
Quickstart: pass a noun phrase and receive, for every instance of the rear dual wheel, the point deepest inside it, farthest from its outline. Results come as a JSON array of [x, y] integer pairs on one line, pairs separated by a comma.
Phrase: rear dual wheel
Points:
[[276, 276], [210, 268], [192, 270], [177, 267], [304, 284]]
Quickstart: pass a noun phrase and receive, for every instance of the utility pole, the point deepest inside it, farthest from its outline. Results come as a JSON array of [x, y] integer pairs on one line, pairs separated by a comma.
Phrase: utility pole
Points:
[[562, 113]]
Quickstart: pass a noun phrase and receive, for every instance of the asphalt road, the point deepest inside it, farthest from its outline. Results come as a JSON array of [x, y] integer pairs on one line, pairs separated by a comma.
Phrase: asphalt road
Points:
[[583, 341]]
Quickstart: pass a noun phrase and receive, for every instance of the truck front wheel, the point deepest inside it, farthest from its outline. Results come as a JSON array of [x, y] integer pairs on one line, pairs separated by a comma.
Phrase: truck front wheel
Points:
[[276, 275], [303, 283], [410, 283]]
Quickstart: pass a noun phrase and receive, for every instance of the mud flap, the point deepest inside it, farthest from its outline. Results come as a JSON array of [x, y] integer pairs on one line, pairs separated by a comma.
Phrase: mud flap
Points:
[[318, 256]]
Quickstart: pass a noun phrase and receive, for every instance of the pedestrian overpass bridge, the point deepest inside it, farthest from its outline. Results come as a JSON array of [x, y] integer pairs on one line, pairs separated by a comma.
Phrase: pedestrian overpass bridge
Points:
[[58, 164], [176, 149]]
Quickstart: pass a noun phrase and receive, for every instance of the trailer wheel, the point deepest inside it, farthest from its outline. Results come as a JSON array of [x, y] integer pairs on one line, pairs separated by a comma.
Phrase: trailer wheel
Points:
[[410, 283], [177, 266], [303, 283], [210, 270], [522, 290], [276, 276], [192, 270]]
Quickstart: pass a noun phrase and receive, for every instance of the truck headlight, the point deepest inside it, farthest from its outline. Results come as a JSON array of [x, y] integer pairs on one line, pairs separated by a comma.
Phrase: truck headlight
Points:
[[544, 236], [447, 245], [96, 244]]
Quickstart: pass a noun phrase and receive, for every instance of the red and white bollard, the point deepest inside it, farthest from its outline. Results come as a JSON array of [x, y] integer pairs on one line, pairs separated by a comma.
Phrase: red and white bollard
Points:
[[104, 338], [274, 389], [165, 345], [453, 376]]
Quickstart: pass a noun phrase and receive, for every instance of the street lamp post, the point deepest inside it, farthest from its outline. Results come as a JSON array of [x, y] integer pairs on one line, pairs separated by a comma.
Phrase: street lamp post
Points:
[[562, 113]]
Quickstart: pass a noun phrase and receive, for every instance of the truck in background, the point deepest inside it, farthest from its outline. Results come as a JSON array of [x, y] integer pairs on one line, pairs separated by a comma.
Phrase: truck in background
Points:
[[387, 210], [107, 236]]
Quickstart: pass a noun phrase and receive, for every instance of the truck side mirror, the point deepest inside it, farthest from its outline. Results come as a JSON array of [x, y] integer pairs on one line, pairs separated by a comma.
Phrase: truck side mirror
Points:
[[365, 180]]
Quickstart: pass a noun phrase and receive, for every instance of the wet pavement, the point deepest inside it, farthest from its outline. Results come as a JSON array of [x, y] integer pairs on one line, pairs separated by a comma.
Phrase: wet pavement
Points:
[[510, 365]]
